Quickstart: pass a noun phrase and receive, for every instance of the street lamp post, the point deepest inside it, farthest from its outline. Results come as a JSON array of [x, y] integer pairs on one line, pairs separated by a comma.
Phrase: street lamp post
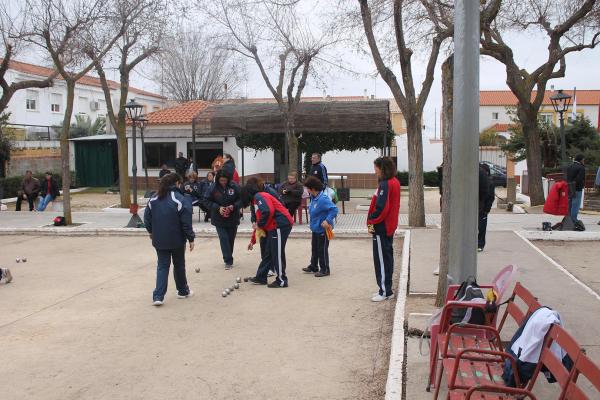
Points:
[[134, 111], [561, 102]]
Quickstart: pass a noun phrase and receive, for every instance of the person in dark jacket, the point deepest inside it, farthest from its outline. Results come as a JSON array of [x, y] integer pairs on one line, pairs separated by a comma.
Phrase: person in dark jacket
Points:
[[168, 220], [181, 164], [275, 221], [164, 170], [206, 186], [486, 199], [229, 167], [48, 191], [318, 169], [192, 189], [322, 216], [382, 222], [30, 190], [224, 204], [291, 193], [576, 182]]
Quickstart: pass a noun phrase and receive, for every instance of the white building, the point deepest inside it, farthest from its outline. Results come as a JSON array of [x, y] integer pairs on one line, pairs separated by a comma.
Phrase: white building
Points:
[[36, 110]]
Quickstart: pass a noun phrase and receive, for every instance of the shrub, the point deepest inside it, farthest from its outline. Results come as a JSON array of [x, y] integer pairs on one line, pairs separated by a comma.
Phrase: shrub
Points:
[[11, 185], [430, 178]]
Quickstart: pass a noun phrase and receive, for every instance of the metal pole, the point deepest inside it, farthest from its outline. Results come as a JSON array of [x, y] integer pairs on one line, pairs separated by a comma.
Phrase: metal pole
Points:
[[194, 143], [563, 143], [134, 167], [465, 172], [144, 159], [243, 158]]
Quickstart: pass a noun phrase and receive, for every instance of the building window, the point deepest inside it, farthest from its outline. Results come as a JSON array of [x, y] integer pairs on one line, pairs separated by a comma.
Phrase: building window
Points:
[[495, 116], [206, 152], [546, 118], [83, 105], [158, 154], [55, 102], [31, 102]]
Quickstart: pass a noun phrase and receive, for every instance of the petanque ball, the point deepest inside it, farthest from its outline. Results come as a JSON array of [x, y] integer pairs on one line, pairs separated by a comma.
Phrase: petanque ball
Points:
[[245, 279], [24, 259], [224, 294], [238, 279], [232, 287], [227, 290], [18, 260], [237, 285], [197, 270]]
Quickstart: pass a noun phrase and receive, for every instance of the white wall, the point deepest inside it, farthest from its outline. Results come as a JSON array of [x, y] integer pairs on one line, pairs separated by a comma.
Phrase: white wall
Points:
[[432, 153], [360, 161], [486, 114]]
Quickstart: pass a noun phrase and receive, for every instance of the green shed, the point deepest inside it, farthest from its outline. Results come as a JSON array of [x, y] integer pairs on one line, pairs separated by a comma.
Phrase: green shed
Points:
[[96, 160]]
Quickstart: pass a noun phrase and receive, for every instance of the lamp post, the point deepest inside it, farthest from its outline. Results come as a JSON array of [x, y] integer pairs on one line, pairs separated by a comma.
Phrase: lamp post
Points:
[[134, 111], [143, 121], [561, 102]]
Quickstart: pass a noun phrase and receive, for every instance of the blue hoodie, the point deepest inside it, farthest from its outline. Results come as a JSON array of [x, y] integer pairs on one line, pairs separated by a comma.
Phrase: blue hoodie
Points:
[[321, 209]]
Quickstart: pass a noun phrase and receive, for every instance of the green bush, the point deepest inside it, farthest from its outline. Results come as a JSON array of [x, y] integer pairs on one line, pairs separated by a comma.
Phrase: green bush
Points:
[[10, 186], [430, 178]]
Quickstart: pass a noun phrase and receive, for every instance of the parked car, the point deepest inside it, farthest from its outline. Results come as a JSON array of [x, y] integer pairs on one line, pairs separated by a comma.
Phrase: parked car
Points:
[[496, 166]]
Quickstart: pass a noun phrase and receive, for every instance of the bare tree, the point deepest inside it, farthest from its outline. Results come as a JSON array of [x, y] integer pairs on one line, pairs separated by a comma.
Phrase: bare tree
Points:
[[13, 27], [410, 25], [145, 21], [67, 30], [272, 33], [569, 27], [197, 66]]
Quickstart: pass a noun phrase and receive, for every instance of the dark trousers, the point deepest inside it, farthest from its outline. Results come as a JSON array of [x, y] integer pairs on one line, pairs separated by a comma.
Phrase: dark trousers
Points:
[[292, 207], [383, 257], [227, 240], [320, 252], [30, 199], [265, 260], [277, 240], [482, 231], [162, 272]]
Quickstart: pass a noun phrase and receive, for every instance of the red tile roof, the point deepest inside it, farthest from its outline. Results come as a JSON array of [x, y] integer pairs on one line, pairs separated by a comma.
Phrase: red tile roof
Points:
[[507, 98], [88, 80], [500, 127], [178, 115]]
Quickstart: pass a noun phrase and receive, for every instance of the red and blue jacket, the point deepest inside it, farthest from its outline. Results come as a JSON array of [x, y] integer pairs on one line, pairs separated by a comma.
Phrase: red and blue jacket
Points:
[[270, 213], [385, 207]]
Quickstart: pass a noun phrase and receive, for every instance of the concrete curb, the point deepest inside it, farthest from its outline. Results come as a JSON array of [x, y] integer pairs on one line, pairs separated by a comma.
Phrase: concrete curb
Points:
[[394, 388], [567, 236]]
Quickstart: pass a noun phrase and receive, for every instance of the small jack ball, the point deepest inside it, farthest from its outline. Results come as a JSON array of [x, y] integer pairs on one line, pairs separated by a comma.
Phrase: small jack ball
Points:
[[197, 270]]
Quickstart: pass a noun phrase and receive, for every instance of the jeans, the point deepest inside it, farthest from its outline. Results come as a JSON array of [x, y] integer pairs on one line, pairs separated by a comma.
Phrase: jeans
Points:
[[227, 241], [265, 260], [320, 252], [44, 201], [574, 205], [162, 272], [383, 257], [482, 231], [30, 199]]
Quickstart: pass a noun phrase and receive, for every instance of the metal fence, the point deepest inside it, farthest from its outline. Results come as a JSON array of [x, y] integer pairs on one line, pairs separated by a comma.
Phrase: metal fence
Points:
[[27, 132], [492, 154]]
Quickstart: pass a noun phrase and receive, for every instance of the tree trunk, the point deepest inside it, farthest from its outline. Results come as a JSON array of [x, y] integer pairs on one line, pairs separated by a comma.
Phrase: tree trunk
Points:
[[416, 202], [64, 153], [529, 123], [447, 99], [291, 143]]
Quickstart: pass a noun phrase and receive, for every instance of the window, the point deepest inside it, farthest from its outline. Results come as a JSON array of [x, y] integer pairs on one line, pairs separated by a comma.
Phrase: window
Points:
[[32, 100], [206, 152], [546, 118], [494, 115], [55, 102], [83, 105], [158, 154]]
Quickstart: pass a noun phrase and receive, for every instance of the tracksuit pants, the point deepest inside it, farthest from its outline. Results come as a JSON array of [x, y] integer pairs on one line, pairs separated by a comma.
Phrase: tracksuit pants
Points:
[[481, 231], [320, 252], [162, 272], [265, 260], [227, 241], [277, 239], [383, 257]]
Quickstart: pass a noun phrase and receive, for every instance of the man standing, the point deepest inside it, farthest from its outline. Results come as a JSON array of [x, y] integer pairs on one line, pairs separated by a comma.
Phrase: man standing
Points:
[[576, 182], [181, 165], [30, 189], [48, 191], [486, 199], [291, 193], [318, 169]]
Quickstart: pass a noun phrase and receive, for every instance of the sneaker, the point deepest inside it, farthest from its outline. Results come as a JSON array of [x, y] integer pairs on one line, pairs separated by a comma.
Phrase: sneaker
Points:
[[379, 298], [7, 275], [157, 303], [185, 296], [276, 284], [255, 281], [228, 266], [479, 249], [310, 270], [270, 273], [321, 274]]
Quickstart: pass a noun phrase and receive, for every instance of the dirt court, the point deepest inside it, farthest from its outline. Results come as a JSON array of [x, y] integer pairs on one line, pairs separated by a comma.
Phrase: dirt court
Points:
[[77, 323]]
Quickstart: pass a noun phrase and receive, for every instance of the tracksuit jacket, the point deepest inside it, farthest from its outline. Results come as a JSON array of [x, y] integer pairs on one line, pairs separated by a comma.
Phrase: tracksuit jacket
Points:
[[169, 220], [321, 209], [385, 207], [320, 172], [222, 197]]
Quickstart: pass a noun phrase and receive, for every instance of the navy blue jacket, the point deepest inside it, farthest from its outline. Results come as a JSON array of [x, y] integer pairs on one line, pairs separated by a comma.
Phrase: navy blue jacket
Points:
[[320, 172], [169, 220], [223, 197]]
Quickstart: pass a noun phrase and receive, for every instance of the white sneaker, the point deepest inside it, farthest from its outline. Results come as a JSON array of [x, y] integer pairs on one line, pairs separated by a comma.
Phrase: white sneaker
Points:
[[228, 266], [270, 273], [190, 294], [157, 303], [377, 298], [479, 249]]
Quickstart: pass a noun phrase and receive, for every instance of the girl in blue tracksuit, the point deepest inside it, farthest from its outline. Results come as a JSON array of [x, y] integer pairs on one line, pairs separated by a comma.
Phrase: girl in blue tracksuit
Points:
[[322, 214], [168, 220]]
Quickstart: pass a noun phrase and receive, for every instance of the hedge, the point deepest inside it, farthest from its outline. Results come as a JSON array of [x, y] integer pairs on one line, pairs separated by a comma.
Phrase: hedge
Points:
[[430, 178], [9, 186]]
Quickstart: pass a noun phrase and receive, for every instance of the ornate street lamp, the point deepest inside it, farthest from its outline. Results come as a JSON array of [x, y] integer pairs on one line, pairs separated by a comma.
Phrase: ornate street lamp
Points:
[[134, 112], [561, 102]]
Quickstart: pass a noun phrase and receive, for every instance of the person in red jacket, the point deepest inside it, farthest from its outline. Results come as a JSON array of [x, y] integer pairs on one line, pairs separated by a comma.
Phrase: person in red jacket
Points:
[[275, 220], [382, 222]]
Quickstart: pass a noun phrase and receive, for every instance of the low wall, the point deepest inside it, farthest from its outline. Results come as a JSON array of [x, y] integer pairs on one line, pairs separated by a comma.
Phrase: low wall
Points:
[[36, 160]]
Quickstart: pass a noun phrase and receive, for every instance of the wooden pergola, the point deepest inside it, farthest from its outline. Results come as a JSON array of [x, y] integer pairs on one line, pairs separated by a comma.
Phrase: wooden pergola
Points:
[[322, 117]]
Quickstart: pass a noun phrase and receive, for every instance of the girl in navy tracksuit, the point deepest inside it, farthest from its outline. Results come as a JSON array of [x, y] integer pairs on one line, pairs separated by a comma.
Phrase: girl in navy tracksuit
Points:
[[273, 218], [322, 215], [168, 219], [382, 222]]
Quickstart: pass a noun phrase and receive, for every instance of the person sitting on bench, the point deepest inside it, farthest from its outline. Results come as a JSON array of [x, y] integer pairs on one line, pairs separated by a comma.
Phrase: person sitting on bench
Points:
[[48, 191]]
